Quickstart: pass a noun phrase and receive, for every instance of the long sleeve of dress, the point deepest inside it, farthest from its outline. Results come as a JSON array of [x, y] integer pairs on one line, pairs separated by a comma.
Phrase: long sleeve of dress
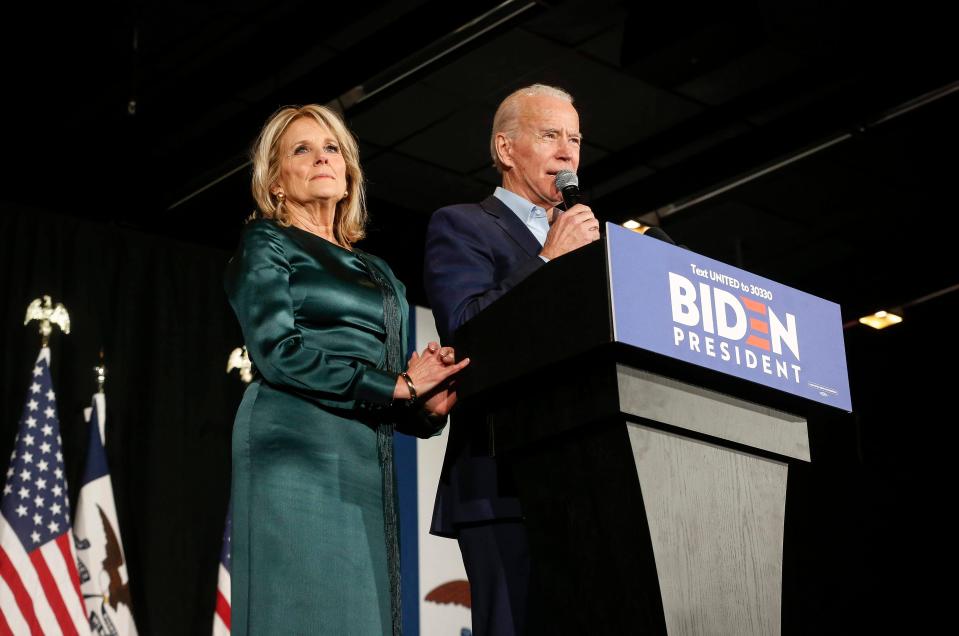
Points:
[[258, 286]]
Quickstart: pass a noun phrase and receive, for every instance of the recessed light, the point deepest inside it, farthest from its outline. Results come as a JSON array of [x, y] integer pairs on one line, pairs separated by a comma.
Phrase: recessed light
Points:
[[881, 319]]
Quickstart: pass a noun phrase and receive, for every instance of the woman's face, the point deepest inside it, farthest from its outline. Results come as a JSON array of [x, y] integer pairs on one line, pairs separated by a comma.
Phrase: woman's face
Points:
[[312, 167]]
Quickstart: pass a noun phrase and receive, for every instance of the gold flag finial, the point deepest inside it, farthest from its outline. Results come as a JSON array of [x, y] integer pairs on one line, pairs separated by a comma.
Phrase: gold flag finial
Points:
[[44, 311], [240, 359], [101, 371]]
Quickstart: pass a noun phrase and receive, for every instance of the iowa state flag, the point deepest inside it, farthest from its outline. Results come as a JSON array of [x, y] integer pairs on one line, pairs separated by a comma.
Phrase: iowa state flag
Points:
[[104, 580], [39, 581]]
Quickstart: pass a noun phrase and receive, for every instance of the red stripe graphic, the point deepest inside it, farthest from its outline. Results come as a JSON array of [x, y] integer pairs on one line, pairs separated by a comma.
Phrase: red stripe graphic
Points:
[[756, 341], [222, 608], [63, 542], [754, 306], [759, 325], [52, 593], [24, 602]]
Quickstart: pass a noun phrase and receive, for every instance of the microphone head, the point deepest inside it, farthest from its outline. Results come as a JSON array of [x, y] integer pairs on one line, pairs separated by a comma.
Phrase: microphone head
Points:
[[565, 179]]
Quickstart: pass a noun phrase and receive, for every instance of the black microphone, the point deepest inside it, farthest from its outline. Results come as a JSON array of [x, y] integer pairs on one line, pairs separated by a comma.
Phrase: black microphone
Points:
[[568, 185]]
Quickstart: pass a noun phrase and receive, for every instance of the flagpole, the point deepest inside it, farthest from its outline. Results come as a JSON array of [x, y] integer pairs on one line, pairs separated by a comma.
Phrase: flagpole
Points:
[[100, 398]]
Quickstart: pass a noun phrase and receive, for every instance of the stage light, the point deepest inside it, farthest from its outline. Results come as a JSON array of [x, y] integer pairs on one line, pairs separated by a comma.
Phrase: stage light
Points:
[[631, 225], [881, 319]]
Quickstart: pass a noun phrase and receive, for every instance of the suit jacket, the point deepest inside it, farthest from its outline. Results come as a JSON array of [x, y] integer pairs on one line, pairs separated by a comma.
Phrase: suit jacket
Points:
[[474, 254]]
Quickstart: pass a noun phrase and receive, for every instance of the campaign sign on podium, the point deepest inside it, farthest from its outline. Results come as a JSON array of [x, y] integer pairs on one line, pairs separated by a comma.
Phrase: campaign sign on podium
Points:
[[692, 308]]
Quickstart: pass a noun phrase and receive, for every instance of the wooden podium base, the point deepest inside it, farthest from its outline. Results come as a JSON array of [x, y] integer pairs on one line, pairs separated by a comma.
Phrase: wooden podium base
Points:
[[663, 518]]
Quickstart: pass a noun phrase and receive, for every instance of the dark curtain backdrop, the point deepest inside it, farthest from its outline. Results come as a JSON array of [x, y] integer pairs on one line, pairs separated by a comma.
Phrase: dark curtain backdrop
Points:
[[158, 310]]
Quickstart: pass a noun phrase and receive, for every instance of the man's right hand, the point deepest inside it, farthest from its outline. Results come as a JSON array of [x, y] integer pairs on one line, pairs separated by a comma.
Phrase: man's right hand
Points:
[[573, 229]]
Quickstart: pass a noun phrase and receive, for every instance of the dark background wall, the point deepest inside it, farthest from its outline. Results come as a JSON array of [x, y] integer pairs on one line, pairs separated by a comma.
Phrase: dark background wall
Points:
[[866, 522]]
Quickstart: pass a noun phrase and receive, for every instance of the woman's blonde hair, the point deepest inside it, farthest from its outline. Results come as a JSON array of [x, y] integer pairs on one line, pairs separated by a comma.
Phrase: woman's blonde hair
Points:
[[349, 225]]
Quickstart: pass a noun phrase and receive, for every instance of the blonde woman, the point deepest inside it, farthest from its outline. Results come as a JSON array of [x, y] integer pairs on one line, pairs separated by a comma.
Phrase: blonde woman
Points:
[[314, 519]]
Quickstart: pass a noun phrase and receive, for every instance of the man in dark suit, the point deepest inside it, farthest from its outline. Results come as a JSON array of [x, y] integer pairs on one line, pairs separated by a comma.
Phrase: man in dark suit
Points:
[[475, 253]]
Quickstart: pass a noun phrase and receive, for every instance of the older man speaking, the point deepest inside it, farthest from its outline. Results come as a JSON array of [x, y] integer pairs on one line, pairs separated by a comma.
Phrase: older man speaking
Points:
[[475, 253]]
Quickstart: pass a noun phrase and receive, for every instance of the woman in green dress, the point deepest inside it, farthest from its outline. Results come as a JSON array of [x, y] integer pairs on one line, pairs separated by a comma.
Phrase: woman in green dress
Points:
[[314, 518]]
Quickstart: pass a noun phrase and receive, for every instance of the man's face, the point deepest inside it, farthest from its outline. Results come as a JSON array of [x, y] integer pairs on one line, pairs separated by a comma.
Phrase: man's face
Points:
[[546, 141]]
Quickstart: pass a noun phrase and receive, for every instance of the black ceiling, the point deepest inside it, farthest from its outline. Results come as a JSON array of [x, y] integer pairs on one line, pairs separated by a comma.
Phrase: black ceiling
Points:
[[141, 114]]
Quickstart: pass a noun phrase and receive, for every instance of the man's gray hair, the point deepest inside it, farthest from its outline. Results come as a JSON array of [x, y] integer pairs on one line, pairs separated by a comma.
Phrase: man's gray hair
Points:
[[506, 119]]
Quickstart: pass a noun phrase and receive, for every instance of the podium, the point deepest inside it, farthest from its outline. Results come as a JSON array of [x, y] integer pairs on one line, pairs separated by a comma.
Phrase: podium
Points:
[[649, 401]]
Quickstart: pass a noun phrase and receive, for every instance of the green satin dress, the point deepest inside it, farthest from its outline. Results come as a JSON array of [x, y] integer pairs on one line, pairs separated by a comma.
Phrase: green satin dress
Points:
[[309, 541]]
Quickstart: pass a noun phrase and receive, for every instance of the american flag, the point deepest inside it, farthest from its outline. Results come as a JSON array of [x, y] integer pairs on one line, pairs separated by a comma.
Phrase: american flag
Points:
[[221, 618], [39, 583]]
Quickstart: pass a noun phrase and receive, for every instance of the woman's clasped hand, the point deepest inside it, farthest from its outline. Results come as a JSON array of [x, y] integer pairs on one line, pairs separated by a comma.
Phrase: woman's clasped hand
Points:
[[431, 375]]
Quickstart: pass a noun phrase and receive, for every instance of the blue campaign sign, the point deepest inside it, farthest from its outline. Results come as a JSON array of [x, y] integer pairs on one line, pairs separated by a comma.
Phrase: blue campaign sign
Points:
[[689, 307]]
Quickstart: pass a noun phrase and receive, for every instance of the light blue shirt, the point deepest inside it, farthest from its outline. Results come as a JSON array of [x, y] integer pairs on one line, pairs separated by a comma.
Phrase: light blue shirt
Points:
[[532, 216]]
